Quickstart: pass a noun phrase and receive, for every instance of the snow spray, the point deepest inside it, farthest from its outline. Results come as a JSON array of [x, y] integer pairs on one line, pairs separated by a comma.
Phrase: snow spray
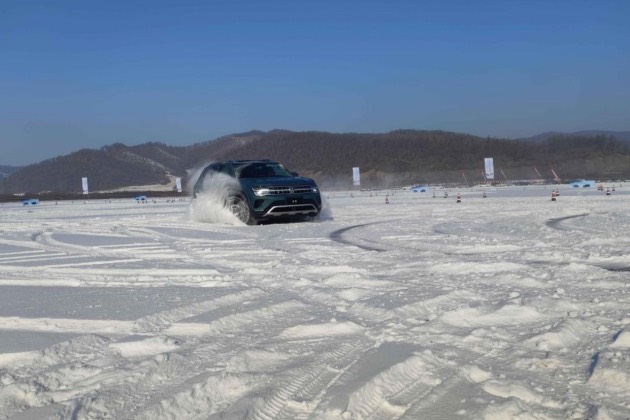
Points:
[[210, 205]]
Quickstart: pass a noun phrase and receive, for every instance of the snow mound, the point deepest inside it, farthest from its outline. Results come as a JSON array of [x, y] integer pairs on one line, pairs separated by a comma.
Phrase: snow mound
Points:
[[509, 314], [465, 268], [475, 374], [322, 330], [511, 389], [141, 346], [612, 380], [622, 340], [568, 333]]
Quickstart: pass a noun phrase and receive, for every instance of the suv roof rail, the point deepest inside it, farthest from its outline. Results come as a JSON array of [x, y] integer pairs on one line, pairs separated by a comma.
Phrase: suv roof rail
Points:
[[249, 160]]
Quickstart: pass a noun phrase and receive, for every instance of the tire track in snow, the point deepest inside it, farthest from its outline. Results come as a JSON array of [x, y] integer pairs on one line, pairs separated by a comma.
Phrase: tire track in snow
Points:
[[426, 396], [61, 254], [448, 398], [414, 393], [380, 397], [294, 400], [340, 237], [168, 383], [557, 222], [212, 355], [197, 349], [410, 388], [46, 373], [146, 245], [158, 322]]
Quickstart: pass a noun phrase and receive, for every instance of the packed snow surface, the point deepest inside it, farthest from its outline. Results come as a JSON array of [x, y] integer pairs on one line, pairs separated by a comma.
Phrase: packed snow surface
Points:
[[504, 306]]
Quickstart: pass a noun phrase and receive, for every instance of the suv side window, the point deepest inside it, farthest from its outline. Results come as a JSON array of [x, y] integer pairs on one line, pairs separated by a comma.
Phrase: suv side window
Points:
[[212, 170], [216, 167], [227, 170]]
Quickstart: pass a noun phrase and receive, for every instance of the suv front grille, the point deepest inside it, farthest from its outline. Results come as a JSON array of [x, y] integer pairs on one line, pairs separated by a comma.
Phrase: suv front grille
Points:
[[284, 190]]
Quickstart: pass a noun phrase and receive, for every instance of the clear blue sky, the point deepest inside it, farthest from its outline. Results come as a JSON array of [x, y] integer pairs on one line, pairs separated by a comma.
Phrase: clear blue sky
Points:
[[84, 74]]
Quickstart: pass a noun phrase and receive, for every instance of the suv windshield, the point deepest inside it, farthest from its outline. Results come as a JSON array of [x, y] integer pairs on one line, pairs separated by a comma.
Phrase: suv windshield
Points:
[[262, 170]]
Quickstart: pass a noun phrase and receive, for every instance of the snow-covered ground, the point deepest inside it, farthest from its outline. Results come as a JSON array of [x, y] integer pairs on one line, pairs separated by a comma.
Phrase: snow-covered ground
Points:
[[510, 306]]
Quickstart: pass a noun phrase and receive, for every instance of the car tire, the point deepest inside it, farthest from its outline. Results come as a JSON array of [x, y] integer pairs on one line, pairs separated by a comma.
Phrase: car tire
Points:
[[239, 207]]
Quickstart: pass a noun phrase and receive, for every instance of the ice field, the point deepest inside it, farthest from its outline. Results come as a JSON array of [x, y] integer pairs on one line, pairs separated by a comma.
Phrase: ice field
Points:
[[510, 306]]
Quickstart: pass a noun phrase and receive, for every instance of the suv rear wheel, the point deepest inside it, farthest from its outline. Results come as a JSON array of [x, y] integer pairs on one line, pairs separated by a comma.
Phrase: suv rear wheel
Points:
[[239, 208]]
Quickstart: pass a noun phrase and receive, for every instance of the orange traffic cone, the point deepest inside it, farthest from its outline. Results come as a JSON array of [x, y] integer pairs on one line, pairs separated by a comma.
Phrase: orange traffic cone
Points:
[[386, 200], [459, 198], [553, 196], [608, 191]]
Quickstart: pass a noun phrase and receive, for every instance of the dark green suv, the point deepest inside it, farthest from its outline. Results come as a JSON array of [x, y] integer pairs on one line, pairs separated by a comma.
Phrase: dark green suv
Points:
[[261, 190]]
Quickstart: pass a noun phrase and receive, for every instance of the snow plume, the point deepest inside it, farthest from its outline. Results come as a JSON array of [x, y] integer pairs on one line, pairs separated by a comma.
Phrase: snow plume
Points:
[[210, 205], [326, 212], [193, 176]]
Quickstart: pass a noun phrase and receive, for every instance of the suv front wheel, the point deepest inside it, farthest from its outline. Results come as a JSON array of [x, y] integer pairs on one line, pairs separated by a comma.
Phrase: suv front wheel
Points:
[[237, 204]]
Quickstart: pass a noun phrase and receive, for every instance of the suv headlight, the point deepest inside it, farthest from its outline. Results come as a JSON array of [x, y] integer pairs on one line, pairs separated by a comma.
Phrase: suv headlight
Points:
[[314, 189], [261, 191]]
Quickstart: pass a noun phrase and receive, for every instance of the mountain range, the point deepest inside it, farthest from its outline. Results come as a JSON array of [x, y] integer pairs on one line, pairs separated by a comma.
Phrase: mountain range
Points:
[[395, 158]]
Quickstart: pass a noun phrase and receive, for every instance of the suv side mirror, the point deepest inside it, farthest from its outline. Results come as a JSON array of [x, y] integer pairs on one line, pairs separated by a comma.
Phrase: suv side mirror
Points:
[[295, 174]]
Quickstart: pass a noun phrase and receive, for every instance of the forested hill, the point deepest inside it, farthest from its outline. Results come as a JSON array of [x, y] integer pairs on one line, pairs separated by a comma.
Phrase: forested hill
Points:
[[619, 135], [388, 159], [6, 170]]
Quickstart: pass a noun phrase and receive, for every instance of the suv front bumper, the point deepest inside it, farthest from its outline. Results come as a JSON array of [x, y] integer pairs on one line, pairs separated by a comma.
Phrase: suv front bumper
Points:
[[270, 207]]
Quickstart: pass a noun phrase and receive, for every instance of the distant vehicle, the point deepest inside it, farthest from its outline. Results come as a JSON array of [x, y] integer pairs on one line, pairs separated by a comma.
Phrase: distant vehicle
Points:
[[30, 201], [140, 198], [418, 188], [582, 183], [264, 190]]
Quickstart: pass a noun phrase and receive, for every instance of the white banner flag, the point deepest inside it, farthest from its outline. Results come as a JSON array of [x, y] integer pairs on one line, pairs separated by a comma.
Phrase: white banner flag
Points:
[[489, 164], [178, 184], [85, 185], [356, 176]]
